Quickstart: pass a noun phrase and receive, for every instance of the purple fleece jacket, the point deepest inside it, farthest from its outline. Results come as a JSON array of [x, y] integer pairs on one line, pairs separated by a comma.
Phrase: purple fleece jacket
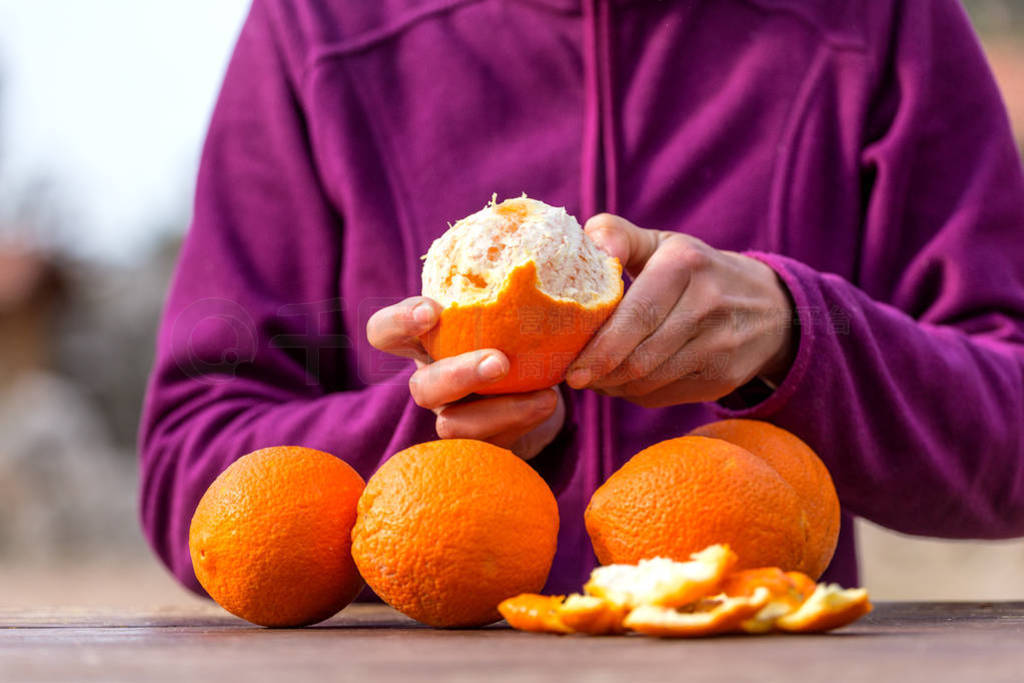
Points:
[[858, 147]]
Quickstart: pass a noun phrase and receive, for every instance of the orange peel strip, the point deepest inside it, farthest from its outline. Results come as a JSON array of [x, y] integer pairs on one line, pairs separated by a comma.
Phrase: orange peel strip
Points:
[[828, 607], [557, 614], [534, 613], [592, 615], [788, 590], [708, 617], [662, 582]]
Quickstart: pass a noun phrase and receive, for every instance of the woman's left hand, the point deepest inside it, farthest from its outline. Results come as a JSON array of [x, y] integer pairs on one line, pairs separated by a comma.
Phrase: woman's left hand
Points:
[[696, 323]]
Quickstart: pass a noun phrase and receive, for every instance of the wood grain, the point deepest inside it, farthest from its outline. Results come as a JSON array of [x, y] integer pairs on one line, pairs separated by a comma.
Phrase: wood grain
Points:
[[897, 642]]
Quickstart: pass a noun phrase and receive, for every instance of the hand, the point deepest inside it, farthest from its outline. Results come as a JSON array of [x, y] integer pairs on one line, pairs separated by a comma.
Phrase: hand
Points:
[[523, 423], [696, 324]]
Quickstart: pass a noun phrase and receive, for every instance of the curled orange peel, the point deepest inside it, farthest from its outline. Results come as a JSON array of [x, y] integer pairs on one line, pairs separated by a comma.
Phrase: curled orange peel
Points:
[[827, 608], [592, 615], [534, 613], [662, 582], [706, 617], [557, 614], [659, 597], [787, 591]]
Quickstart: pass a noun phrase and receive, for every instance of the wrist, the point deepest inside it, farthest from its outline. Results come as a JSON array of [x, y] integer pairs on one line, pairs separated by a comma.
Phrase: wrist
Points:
[[783, 333]]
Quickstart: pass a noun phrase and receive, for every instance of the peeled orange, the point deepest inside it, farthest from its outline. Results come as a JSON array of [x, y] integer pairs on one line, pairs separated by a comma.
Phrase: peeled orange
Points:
[[520, 276]]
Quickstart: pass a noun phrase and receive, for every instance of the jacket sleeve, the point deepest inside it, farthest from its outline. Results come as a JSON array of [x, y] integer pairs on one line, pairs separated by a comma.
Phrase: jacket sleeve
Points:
[[911, 384], [252, 351]]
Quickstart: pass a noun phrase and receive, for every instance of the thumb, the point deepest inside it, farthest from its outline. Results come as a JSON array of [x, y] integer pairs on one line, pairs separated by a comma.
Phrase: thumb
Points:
[[619, 238]]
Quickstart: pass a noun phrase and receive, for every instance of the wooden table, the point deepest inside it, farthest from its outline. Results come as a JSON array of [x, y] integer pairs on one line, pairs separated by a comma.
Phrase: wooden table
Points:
[[902, 642]]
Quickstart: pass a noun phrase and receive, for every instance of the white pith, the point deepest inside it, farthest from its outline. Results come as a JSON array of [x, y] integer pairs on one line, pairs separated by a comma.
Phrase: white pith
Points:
[[470, 262]]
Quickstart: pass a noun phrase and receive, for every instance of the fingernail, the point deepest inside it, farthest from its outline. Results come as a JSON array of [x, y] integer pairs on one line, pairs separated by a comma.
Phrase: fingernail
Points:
[[423, 313], [578, 378], [490, 368]]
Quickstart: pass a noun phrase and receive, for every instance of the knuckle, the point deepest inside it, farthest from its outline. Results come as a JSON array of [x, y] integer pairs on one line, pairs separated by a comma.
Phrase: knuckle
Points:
[[453, 372], [637, 365], [691, 255], [688, 367], [642, 313], [713, 297], [729, 345]]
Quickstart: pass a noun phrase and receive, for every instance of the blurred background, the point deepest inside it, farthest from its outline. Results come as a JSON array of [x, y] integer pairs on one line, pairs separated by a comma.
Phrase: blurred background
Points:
[[103, 106]]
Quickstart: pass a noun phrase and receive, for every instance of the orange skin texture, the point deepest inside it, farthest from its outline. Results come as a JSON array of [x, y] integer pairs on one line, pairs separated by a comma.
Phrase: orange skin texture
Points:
[[448, 529], [550, 614], [534, 613], [539, 334], [803, 470], [270, 539], [681, 495], [793, 587]]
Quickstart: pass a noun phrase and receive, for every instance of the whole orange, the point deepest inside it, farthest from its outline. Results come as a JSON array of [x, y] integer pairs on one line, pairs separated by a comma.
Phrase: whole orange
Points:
[[803, 470], [520, 276], [681, 495], [448, 529], [271, 538]]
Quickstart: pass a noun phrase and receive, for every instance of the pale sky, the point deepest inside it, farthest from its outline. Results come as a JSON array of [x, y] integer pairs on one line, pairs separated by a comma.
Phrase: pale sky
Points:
[[111, 99]]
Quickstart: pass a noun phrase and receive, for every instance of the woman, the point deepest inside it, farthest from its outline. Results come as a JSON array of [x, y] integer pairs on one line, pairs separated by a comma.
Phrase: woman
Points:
[[844, 165]]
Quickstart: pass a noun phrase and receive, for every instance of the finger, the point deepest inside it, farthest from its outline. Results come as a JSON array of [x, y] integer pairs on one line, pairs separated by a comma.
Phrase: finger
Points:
[[450, 379], [529, 444], [691, 317], [655, 292], [651, 354], [513, 440], [396, 329], [700, 371], [505, 417], [617, 237]]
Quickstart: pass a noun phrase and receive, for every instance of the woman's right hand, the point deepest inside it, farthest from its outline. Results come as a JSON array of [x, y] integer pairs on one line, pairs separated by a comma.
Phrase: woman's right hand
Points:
[[523, 423]]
